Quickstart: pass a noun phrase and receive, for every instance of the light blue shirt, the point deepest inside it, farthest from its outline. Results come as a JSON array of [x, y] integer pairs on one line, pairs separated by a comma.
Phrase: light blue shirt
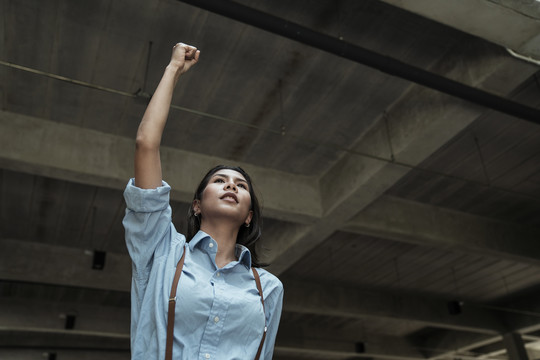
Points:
[[218, 315]]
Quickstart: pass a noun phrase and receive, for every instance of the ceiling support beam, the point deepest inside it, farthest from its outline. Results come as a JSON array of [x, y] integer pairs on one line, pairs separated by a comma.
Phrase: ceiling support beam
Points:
[[309, 336], [366, 57], [98, 325], [37, 313], [409, 133], [50, 264], [73, 267], [520, 317], [72, 153], [40, 321], [311, 298], [515, 347], [22, 341], [326, 350], [502, 22], [27, 338], [412, 222], [41, 318], [382, 218], [443, 344], [46, 352]]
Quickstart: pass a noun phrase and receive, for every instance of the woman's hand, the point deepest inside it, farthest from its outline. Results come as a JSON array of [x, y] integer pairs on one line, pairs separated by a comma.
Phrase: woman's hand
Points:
[[184, 57]]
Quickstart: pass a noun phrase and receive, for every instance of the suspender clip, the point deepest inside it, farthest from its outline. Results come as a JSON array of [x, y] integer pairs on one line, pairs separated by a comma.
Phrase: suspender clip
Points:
[[172, 299]]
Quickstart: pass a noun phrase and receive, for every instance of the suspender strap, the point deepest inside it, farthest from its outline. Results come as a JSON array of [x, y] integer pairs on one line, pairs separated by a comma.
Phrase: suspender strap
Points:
[[259, 287], [172, 304]]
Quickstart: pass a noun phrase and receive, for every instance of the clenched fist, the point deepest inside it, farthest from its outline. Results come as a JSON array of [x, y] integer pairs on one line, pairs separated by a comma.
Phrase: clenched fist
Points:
[[184, 57]]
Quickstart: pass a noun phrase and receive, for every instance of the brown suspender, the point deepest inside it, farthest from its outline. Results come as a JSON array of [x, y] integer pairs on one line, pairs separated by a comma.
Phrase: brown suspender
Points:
[[258, 282], [172, 304]]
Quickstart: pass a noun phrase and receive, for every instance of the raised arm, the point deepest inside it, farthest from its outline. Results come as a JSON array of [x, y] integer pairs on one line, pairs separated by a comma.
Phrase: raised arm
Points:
[[147, 160]]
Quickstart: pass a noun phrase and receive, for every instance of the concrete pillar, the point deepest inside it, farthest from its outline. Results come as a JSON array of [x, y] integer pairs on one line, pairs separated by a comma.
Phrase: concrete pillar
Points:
[[515, 347]]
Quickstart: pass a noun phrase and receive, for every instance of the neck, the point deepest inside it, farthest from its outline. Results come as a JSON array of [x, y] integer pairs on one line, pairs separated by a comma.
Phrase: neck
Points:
[[225, 236]]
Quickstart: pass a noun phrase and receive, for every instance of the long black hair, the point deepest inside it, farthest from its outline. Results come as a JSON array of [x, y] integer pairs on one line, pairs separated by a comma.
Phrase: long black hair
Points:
[[247, 236]]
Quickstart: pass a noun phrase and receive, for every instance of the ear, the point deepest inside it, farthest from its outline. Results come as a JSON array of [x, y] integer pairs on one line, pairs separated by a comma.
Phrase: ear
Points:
[[196, 205], [249, 217]]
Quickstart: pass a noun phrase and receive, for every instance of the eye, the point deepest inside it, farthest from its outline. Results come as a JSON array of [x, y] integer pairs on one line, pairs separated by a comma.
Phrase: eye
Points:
[[243, 186], [219, 180]]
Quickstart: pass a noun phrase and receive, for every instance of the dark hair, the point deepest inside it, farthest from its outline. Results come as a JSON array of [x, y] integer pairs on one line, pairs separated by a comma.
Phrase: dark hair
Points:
[[247, 236]]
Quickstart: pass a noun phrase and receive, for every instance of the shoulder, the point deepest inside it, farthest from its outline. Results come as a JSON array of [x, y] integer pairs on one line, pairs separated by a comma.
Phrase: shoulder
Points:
[[269, 282], [272, 289]]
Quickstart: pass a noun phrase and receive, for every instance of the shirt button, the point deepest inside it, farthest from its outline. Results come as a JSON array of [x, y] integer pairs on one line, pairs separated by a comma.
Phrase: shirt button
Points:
[[216, 319], [207, 356], [210, 245], [218, 274]]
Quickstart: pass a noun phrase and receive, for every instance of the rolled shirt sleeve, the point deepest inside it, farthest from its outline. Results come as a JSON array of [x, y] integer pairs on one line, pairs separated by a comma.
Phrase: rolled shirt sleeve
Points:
[[147, 224], [149, 235]]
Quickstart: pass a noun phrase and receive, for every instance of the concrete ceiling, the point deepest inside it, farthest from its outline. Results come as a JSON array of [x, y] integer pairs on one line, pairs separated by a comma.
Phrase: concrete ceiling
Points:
[[384, 200]]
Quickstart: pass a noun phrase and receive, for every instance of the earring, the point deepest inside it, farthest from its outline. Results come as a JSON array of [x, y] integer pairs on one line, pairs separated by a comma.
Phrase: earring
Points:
[[195, 214], [247, 225]]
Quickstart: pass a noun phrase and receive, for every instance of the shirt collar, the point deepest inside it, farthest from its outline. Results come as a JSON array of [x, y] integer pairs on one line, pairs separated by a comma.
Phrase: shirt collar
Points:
[[199, 236], [242, 253]]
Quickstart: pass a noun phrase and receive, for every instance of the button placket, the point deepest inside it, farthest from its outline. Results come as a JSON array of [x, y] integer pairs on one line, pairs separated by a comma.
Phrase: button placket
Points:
[[216, 319]]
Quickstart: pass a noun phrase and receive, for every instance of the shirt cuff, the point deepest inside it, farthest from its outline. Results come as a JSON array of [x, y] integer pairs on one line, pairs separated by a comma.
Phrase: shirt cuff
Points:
[[147, 200]]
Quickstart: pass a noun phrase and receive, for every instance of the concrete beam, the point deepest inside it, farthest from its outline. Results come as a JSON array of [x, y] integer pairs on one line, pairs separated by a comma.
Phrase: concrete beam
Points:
[[47, 148], [299, 335], [40, 263], [533, 353], [332, 350], [519, 317], [443, 344], [417, 125], [364, 56], [515, 347], [522, 315], [328, 300], [43, 354], [412, 222], [511, 24], [19, 341], [45, 319], [35, 313], [21, 337], [32, 329]]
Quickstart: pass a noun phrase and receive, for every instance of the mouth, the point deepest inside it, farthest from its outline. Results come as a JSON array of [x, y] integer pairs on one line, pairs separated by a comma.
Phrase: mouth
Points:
[[230, 197]]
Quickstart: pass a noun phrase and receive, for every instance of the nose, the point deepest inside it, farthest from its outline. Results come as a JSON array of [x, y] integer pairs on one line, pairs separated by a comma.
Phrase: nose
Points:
[[231, 186]]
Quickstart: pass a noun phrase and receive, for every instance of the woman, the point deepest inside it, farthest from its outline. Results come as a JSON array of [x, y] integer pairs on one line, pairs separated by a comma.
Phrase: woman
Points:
[[217, 305]]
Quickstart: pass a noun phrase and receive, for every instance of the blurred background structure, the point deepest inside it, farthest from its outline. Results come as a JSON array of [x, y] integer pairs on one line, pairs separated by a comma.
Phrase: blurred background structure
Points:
[[395, 145]]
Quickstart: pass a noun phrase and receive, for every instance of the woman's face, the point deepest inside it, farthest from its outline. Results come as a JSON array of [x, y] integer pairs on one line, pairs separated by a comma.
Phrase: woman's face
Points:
[[226, 197]]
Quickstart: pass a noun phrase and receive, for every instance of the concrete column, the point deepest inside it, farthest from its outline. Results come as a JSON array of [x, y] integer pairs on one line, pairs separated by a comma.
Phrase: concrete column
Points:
[[515, 347]]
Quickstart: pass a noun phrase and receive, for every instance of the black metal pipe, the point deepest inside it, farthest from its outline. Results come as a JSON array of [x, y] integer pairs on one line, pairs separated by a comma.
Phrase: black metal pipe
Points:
[[366, 57]]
